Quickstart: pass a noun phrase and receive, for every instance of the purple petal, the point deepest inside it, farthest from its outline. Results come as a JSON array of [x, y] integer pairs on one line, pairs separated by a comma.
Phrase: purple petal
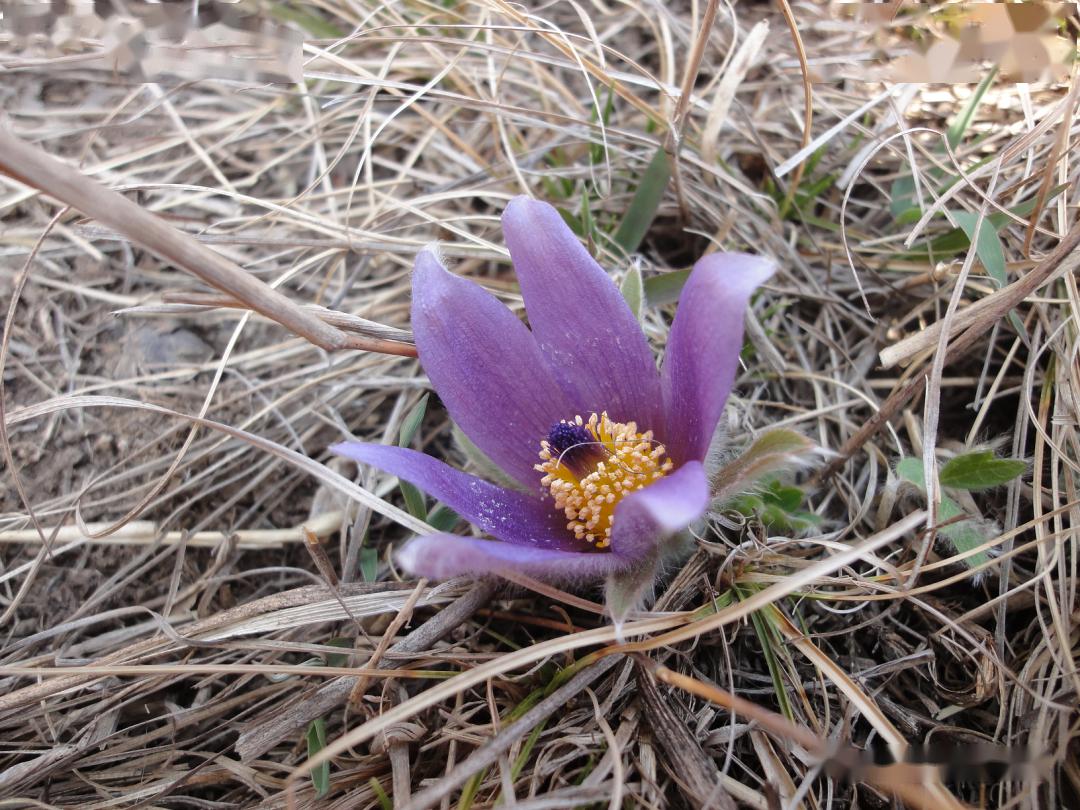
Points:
[[589, 337], [703, 348], [441, 556], [486, 367], [645, 518], [508, 515]]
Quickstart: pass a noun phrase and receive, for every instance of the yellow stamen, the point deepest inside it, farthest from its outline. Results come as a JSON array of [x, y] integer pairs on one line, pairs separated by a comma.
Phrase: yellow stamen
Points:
[[621, 461]]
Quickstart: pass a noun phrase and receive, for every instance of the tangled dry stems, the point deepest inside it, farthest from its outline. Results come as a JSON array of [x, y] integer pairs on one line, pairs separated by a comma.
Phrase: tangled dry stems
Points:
[[216, 638]]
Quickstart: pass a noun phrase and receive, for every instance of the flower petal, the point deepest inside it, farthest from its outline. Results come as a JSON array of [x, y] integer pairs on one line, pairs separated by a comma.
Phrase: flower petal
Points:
[[645, 518], [586, 331], [441, 556], [703, 348], [508, 515], [486, 367]]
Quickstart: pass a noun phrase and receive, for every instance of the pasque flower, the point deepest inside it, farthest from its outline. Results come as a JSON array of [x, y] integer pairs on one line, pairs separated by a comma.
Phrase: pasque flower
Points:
[[607, 452]]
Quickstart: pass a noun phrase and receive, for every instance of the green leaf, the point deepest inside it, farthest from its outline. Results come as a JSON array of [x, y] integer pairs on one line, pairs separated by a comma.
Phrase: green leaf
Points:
[[588, 225], [772, 647], [777, 507], [902, 202], [411, 423], [902, 197], [665, 288], [963, 535], [485, 467], [633, 290], [963, 120], [787, 498], [771, 452], [316, 742], [596, 150], [1025, 208], [911, 469], [988, 245], [312, 23], [442, 518], [570, 218], [980, 470], [384, 801], [369, 564], [415, 503], [748, 504], [646, 202], [339, 659]]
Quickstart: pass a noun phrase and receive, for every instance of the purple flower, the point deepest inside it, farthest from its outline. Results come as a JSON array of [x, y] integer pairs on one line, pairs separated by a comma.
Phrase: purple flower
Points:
[[607, 451]]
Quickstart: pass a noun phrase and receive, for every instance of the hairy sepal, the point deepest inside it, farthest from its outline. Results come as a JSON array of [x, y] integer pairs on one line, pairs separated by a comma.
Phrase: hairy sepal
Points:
[[772, 452], [626, 590]]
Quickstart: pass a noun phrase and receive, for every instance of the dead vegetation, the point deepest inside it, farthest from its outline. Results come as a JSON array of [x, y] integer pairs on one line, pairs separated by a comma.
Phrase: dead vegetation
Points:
[[173, 637]]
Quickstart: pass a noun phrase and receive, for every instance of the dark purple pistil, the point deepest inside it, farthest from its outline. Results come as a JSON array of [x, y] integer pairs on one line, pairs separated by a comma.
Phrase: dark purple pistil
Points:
[[575, 447]]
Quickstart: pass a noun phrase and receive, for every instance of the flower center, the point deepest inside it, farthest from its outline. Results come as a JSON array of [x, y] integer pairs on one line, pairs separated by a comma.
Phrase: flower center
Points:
[[590, 466]]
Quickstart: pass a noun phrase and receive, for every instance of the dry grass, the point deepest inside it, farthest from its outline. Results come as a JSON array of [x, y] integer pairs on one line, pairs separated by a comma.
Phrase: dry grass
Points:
[[170, 637]]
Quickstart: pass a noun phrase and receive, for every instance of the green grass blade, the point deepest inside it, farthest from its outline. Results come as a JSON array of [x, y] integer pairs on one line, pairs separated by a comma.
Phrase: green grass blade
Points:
[[312, 23], [642, 210], [316, 742], [963, 120], [415, 503], [380, 794]]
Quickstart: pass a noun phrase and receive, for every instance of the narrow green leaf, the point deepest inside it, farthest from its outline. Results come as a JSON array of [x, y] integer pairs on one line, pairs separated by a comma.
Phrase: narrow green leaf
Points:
[[902, 201], [442, 518], [485, 467], [573, 222], [988, 245], [468, 793], [980, 470], [588, 224], [415, 503], [316, 742], [963, 120], [369, 564], [902, 196], [665, 288], [646, 202], [312, 23], [633, 290], [596, 150], [412, 421], [768, 636], [384, 801], [1025, 208], [339, 659], [526, 750]]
